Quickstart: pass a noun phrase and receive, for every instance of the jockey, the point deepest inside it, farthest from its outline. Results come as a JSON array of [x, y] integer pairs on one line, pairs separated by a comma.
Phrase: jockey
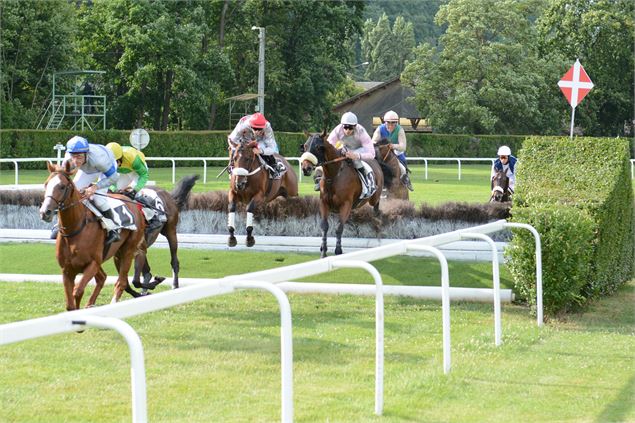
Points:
[[97, 170], [133, 176], [505, 162], [393, 132], [352, 138], [132, 167], [256, 128]]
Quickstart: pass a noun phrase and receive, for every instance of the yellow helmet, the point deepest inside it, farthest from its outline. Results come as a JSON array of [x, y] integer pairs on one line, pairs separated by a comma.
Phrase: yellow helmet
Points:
[[116, 149]]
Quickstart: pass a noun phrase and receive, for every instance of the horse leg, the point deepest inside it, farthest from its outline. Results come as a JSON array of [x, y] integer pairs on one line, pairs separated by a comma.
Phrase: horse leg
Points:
[[89, 272], [324, 225], [140, 263], [123, 266], [174, 260], [69, 284], [100, 280], [231, 219], [250, 223], [345, 211]]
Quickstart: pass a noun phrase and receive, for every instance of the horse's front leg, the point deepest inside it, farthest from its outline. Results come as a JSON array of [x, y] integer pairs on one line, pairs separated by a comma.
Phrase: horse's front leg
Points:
[[231, 219], [69, 283], [251, 207], [123, 267], [100, 280], [140, 263], [324, 225], [89, 272], [345, 212], [174, 259]]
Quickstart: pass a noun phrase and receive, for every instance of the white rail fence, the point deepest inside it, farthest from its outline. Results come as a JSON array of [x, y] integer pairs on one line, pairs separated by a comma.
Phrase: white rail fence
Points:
[[204, 160], [107, 315]]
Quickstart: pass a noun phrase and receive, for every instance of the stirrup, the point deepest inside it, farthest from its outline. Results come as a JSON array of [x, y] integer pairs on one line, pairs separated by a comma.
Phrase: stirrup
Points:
[[113, 236]]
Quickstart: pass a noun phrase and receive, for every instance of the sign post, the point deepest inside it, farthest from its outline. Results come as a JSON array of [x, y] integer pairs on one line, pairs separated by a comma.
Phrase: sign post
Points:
[[575, 85]]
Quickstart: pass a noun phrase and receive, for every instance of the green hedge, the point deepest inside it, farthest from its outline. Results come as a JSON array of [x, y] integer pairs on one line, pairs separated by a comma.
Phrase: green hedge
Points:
[[578, 194]]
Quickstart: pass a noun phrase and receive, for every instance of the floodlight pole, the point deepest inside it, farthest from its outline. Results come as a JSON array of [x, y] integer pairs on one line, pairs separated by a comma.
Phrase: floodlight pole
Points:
[[261, 68]]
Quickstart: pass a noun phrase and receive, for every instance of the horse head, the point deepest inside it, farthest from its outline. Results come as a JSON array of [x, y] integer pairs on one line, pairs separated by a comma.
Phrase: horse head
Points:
[[314, 153], [59, 189], [244, 161], [500, 183]]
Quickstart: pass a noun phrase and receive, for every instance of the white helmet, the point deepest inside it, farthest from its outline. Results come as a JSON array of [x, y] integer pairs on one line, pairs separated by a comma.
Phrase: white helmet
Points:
[[504, 151], [349, 118], [391, 116]]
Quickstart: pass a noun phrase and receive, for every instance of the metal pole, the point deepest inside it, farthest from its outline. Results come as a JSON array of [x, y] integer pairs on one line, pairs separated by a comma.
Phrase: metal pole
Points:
[[261, 68]]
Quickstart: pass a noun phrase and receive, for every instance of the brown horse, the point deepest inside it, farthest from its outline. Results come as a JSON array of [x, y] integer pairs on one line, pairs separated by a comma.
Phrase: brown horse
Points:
[[80, 242], [389, 163], [340, 186], [173, 203], [500, 183], [250, 184]]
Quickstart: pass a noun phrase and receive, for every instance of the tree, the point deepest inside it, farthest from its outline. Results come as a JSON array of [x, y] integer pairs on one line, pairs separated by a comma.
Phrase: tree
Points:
[[35, 41], [487, 75], [386, 50], [599, 33]]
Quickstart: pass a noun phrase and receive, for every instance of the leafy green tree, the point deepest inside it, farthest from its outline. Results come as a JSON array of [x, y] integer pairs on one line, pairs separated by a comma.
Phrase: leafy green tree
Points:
[[419, 13], [487, 75], [35, 41], [599, 33], [386, 49]]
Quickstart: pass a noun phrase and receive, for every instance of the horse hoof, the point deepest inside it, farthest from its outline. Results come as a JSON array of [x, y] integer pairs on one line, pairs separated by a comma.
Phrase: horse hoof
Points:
[[251, 241], [338, 251], [175, 286], [232, 241], [158, 279]]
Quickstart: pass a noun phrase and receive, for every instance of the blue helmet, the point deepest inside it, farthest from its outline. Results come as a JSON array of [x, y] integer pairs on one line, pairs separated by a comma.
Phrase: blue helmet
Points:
[[77, 144]]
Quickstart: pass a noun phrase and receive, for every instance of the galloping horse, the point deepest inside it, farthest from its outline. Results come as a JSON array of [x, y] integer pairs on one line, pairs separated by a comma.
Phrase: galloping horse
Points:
[[500, 183], [390, 166], [250, 184], [80, 243], [173, 203], [340, 186]]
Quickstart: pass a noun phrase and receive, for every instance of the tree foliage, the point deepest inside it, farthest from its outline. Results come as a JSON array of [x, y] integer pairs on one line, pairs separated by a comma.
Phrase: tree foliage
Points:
[[487, 75], [386, 50]]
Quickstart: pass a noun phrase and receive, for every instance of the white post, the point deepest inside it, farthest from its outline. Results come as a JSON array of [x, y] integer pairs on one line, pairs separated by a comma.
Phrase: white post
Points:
[[572, 118], [445, 300], [137, 366], [497, 287], [379, 326]]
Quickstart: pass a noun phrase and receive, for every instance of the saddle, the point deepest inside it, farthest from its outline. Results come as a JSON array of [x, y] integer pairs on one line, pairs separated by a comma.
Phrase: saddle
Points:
[[120, 212]]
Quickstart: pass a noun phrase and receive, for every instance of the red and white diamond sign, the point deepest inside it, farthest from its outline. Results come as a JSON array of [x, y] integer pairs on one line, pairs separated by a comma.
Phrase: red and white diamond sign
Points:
[[575, 84]]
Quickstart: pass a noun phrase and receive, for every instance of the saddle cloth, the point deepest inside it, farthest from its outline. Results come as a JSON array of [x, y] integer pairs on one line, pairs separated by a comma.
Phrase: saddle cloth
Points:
[[126, 219], [362, 178], [149, 197]]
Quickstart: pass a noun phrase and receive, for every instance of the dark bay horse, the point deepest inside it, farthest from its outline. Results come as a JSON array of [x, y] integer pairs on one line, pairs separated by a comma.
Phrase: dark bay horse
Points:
[[389, 163], [173, 203], [500, 183], [80, 243], [340, 187], [250, 184]]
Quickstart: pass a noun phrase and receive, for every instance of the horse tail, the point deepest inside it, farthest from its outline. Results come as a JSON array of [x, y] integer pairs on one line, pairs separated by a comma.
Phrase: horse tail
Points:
[[182, 190]]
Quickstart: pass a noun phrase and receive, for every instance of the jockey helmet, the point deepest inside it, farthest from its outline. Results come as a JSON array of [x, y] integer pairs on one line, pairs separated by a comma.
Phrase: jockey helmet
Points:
[[77, 144], [391, 116], [504, 151], [349, 118], [116, 149], [258, 121]]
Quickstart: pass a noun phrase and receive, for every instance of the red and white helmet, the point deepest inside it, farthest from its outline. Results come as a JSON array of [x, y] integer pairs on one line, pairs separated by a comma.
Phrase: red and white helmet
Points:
[[257, 121], [391, 116]]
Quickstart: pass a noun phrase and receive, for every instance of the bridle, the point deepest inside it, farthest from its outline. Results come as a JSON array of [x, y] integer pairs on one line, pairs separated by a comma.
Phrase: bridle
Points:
[[322, 162], [68, 189]]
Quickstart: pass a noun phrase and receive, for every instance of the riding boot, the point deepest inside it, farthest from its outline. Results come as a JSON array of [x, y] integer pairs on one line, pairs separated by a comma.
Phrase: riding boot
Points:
[[405, 179], [109, 222]]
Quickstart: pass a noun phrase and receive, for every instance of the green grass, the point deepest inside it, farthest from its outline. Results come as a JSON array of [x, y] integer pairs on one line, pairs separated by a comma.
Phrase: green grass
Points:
[[441, 186], [218, 359]]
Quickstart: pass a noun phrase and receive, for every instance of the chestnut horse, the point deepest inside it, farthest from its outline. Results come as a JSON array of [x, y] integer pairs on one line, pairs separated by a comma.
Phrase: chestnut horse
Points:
[[500, 183], [80, 242], [173, 203], [340, 187], [250, 184], [389, 163]]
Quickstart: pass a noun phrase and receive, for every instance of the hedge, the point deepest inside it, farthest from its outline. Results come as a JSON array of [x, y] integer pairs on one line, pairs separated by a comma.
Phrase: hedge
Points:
[[578, 194], [34, 143]]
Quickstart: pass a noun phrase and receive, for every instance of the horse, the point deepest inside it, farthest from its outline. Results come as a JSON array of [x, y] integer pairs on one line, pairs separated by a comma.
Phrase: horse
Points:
[[80, 242], [500, 183], [250, 184], [173, 203], [389, 163], [340, 186]]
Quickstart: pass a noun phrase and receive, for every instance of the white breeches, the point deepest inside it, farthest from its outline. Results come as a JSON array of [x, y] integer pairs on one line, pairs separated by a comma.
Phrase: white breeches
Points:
[[127, 180], [83, 180]]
